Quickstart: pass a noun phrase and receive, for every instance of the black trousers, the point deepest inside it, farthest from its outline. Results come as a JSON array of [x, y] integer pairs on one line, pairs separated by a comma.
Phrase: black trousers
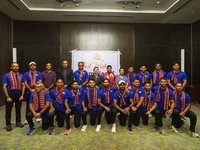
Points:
[[177, 122], [136, 118], [109, 115], [158, 117], [145, 118], [45, 120], [123, 117], [14, 95], [77, 116], [27, 97], [93, 116]]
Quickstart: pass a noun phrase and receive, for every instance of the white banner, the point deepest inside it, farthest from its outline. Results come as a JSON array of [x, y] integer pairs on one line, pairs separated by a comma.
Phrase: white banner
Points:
[[98, 59]]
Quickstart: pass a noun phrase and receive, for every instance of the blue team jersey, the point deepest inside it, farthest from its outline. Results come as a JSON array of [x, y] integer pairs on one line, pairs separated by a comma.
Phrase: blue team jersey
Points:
[[179, 101], [180, 76], [77, 77], [141, 93], [147, 101], [158, 77], [131, 78], [140, 77]]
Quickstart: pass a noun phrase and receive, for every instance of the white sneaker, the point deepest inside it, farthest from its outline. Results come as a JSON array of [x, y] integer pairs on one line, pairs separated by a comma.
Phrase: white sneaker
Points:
[[98, 128], [38, 120], [113, 129], [150, 116], [84, 127], [25, 122], [194, 134]]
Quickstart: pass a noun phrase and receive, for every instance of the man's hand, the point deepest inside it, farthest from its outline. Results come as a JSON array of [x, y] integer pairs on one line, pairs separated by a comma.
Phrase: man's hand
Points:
[[8, 99], [148, 113], [127, 91], [32, 90], [21, 98], [169, 112], [80, 86], [126, 110], [68, 111], [181, 114], [37, 115], [85, 109], [129, 87], [96, 86], [134, 108], [52, 110], [65, 86], [107, 109]]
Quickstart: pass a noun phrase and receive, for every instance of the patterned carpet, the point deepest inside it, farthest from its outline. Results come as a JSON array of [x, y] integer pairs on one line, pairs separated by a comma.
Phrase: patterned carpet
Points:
[[143, 137]]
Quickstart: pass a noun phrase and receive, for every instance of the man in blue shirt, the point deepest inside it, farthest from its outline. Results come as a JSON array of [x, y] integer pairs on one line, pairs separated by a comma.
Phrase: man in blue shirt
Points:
[[157, 74], [89, 103], [57, 106], [137, 100], [130, 75], [14, 89], [39, 107], [176, 76], [123, 102], [121, 77], [29, 79], [81, 76], [143, 76], [105, 101], [182, 108], [164, 96], [73, 99]]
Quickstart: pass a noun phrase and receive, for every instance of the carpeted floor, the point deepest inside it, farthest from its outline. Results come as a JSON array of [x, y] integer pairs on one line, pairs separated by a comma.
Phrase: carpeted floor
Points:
[[143, 137]]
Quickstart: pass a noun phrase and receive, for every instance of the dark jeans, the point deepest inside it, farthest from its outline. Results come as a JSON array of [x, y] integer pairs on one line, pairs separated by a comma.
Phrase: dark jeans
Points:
[[145, 118], [158, 117], [27, 97], [14, 95], [123, 117], [177, 122], [93, 115], [109, 115], [45, 120]]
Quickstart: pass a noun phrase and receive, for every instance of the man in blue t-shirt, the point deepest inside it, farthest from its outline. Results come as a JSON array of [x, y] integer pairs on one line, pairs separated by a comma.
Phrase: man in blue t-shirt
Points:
[[176, 76], [164, 97], [81, 76], [57, 106], [105, 101], [120, 78], [30, 78], [14, 89], [123, 102], [39, 107], [89, 103], [182, 108]]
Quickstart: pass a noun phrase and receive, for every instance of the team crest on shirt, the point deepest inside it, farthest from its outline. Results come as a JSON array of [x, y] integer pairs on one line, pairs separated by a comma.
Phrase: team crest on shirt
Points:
[[63, 92], [36, 74], [111, 91], [140, 91]]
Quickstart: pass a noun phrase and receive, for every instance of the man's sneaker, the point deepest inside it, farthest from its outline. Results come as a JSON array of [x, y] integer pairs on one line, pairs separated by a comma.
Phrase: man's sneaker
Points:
[[38, 120], [156, 128], [73, 120], [20, 125], [98, 128], [150, 116], [51, 130], [130, 130], [84, 127], [8, 128], [31, 131], [194, 134], [113, 129], [174, 129], [183, 119], [68, 131], [25, 122]]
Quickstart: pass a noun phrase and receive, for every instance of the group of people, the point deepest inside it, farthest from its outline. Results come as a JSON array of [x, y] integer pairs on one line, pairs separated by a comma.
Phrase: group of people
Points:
[[65, 93]]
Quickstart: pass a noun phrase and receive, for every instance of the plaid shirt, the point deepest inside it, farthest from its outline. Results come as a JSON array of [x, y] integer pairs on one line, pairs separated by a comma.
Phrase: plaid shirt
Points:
[[48, 78]]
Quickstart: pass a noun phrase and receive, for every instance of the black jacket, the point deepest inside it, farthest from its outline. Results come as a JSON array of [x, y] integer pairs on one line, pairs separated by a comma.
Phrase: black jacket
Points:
[[69, 76], [99, 80]]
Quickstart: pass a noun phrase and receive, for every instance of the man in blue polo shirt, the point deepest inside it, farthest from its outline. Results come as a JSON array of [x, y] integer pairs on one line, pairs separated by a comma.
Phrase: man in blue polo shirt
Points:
[[81, 76], [57, 104], [157, 74], [182, 108], [89, 103], [120, 78], [123, 102], [143, 76], [130, 75], [176, 76], [30, 78], [73, 99], [164, 97], [138, 100], [105, 101], [39, 107], [14, 89]]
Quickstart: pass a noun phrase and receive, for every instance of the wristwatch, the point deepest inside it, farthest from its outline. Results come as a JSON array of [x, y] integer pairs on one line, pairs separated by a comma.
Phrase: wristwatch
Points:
[[40, 112]]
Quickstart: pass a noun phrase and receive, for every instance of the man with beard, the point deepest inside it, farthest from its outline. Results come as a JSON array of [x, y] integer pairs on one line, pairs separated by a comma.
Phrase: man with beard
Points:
[[74, 104], [48, 78], [30, 78], [105, 101], [123, 102], [164, 95], [57, 106], [81, 76], [14, 89], [39, 107], [89, 103], [120, 78], [176, 76], [138, 100], [130, 75], [143, 76], [157, 74], [110, 75], [182, 108]]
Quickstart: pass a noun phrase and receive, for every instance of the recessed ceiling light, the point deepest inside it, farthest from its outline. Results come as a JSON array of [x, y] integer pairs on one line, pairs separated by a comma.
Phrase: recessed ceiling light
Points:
[[158, 2]]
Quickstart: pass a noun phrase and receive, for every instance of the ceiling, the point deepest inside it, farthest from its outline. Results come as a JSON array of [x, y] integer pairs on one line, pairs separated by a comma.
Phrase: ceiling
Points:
[[149, 11]]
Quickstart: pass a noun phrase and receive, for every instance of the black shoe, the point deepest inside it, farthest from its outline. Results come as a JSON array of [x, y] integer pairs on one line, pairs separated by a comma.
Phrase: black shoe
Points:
[[20, 125], [51, 130], [157, 129], [130, 130], [8, 128], [164, 116]]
